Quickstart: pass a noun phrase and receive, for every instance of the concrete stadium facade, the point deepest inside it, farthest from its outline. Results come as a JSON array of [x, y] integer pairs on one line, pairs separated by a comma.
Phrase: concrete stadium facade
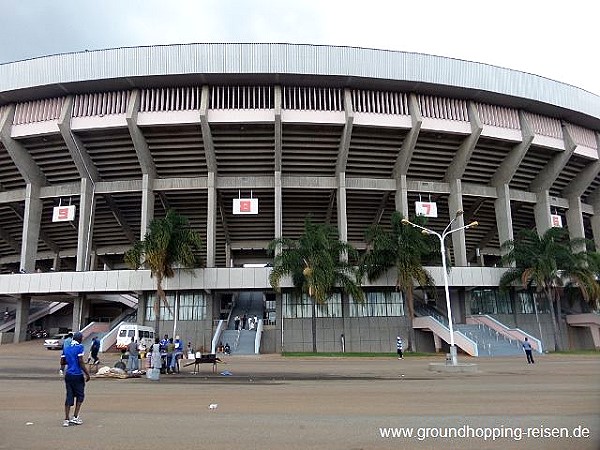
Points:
[[347, 135]]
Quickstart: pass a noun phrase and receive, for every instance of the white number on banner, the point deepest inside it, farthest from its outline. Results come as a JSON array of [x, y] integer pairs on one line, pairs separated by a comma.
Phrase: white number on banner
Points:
[[556, 220], [427, 209]]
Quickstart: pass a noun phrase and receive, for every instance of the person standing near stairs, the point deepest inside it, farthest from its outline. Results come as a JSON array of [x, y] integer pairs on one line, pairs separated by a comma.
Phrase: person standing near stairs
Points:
[[528, 351]]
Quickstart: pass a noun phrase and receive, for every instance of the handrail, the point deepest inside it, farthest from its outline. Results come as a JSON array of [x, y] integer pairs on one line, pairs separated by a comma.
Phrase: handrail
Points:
[[217, 336], [257, 339], [437, 327], [110, 338], [512, 333], [237, 339]]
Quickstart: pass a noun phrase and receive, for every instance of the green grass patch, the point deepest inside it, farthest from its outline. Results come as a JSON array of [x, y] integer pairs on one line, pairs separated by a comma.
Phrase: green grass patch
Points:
[[353, 354]]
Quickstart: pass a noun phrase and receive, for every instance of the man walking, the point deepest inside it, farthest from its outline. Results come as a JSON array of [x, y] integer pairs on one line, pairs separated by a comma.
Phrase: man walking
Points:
[[132, 359], [399, 347], [94, 349], [72, 358], [528, 351]]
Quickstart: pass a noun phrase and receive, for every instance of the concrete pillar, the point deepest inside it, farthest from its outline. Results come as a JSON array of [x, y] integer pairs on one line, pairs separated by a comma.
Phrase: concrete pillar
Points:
[[211, 221], [503, 214], [147, 204], [401, 197], [458, 239], [228, 261], [595, 220], [31, 227], [341, 208], [278, 207], [542, 212], [21, 318], [575, 221], [79, 312], [86, 225], [56, 263], [141, 308]]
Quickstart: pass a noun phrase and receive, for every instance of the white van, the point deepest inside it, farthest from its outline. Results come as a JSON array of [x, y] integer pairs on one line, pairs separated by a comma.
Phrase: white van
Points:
[[142, 334]]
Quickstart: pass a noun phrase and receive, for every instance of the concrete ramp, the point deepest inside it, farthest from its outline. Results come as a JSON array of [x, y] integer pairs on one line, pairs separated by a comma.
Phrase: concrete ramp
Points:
[[36, 314], [443, 332]]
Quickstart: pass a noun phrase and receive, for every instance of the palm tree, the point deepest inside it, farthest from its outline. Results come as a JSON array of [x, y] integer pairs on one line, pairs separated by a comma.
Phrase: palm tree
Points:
[[168, 243], [318, 264], [403, 249], [547, 262]]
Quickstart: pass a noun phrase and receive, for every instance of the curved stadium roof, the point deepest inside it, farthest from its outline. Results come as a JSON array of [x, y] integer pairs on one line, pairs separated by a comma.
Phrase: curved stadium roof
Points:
[[135, 66]]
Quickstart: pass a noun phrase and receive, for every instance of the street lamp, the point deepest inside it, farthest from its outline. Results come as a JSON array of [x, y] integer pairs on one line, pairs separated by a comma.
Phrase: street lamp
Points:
[[448, 230]]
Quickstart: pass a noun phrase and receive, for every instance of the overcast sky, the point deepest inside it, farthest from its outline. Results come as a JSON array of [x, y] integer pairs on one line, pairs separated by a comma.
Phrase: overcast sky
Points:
[[551, 38]]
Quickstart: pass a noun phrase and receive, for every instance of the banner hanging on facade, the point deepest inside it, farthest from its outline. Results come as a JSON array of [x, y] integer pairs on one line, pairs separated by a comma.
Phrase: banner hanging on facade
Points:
[[556, 220], [245, 206], [427, 209], [63, 213]]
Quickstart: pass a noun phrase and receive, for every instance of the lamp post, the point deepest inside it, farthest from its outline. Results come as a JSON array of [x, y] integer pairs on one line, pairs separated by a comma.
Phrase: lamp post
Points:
[[447, 231]]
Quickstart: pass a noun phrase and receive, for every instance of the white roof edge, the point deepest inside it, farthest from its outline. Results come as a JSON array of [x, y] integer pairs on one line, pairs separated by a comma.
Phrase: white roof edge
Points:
[[292, 59]]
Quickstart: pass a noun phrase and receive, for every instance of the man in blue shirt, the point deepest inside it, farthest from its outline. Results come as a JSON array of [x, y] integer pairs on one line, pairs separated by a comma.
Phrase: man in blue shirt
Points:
[[72, 358], [528, 351]]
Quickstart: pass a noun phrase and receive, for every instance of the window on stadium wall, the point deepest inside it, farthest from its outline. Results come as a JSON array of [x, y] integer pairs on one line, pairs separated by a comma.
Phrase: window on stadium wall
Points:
[[296, 306], [490, 301], [190, 306], [270, 317], [525, 302], [379, 304]]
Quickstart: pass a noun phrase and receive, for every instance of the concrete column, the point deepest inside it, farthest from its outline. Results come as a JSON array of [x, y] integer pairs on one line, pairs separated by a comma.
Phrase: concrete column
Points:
[[86, 225], [147, 204], [278, 207], [31, 227], [595, 219], [542, 212], [56, 263], [21, 318], [503, 214], [211, 221], [141, 308], [341, 208], [228, 262], [401, 197], [79, 311], [575, 221], [458, 239]]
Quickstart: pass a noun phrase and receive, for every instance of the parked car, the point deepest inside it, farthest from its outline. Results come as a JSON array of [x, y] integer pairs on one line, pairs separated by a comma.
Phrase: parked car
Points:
[[55, 342]]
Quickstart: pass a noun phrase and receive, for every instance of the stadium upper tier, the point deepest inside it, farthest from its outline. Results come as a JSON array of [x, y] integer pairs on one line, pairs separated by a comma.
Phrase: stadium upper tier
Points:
[[345, 134]]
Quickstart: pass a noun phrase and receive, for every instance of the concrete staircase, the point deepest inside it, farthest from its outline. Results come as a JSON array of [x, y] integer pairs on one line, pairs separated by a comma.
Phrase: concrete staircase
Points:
[[242, 342], [490, 342]]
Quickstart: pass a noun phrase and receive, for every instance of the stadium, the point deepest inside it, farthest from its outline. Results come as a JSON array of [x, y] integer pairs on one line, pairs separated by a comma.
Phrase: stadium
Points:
[[96, 144]]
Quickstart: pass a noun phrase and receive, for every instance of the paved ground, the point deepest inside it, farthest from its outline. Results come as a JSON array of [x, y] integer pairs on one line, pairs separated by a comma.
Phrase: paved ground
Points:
[[270, 402]]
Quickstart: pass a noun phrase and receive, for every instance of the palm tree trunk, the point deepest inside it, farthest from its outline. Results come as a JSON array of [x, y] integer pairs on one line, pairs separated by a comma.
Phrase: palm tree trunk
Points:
[[555, 332], [559, 316], [410, 303], [160, 297], [314, 326]]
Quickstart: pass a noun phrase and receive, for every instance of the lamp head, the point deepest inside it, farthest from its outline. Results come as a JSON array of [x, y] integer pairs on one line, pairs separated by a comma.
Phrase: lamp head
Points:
[[473, 224], [425, 232], [404, 221], [459, 213]]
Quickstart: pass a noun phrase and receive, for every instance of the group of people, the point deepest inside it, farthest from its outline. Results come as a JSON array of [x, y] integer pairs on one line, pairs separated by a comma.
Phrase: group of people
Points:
[[241, 322], [166, 352]]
